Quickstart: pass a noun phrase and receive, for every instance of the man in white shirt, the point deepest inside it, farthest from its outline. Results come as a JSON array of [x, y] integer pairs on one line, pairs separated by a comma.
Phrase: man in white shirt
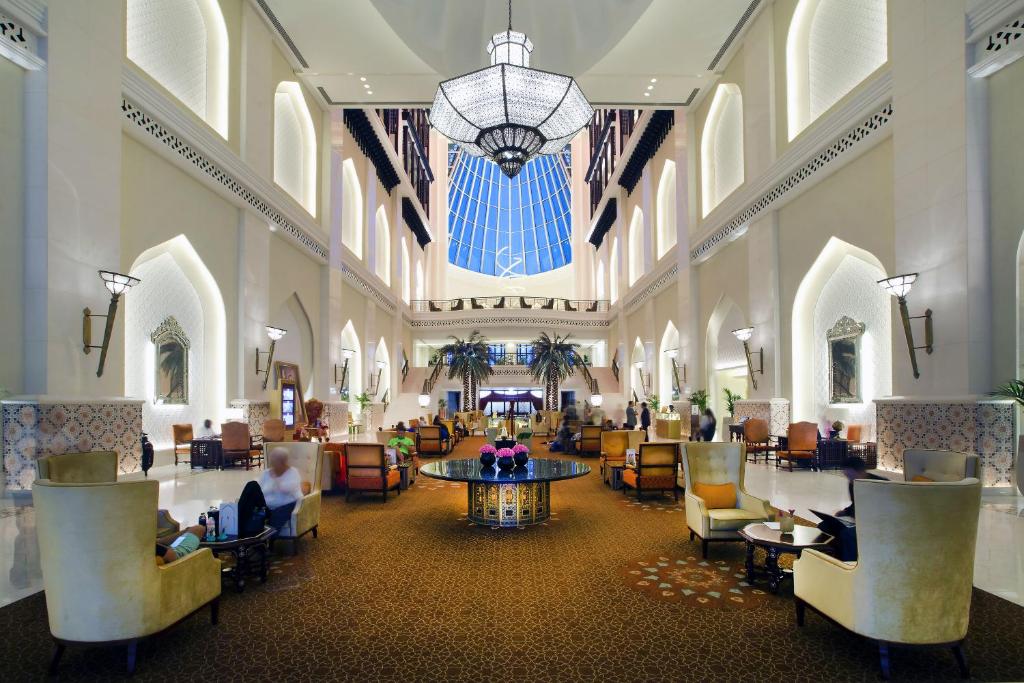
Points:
[[282, 487]]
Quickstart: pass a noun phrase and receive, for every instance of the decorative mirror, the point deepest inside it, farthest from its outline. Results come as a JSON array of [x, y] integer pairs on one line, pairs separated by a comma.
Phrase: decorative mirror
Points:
[[171, 364], [844, 361]]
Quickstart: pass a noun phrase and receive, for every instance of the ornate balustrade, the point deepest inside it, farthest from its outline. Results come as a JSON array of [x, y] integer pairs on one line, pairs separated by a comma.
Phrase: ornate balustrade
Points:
[[535, 303]]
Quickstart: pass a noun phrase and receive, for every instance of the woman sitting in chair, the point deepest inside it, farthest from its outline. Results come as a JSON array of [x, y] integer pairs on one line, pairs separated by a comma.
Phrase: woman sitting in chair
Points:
[[277, 492], [442, 427]]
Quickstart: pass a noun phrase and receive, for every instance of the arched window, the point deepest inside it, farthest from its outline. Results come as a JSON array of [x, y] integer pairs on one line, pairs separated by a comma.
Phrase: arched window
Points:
[[382, 247], [721, 147], [352, 209], [667, 209], [419, 279], [599, 281], [294, 145], [636, 246], [832, 45], [613, 269], [406, 272], [183, 45]]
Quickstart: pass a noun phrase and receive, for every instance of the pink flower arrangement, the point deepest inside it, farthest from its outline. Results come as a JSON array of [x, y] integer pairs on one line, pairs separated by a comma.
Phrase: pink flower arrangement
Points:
[[520, 448], [505, 453], [488, 448]]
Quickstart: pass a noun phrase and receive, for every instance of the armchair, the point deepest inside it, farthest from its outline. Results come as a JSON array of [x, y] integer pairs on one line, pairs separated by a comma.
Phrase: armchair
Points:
[[655, 469], [912, 582], [237, 444], [756, 435], [933, 465], [307, 457], [273, 430], [95, 467], [105, 591], [182, 435], [590, 440], [614, 445], [369, 470], [429, 441], [714, 464], [802, 445], [385, 435]]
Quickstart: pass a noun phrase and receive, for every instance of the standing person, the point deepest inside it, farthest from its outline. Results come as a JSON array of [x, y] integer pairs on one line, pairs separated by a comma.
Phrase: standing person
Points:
[[708, 424], [570, 412], [630, 416], [645, 420]]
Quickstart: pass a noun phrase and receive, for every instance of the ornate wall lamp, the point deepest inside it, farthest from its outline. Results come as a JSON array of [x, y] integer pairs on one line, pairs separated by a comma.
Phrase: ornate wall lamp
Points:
[[117, 284], [375, 380], [275, 334], [347, 355], [424, 400], [744, 334], [899, 286], [645, 379], [672, 355]]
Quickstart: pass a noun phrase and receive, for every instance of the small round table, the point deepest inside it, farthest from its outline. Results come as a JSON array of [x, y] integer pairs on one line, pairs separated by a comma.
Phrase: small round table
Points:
[[507, 498], [775, 543], [245, 551]]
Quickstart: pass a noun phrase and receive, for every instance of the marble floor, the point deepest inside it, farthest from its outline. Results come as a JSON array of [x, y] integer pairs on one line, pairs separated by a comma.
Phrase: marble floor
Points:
[[998, 567]]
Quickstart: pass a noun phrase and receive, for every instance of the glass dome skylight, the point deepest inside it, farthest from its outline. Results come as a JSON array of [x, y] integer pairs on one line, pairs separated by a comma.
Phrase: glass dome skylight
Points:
[[509, 227]]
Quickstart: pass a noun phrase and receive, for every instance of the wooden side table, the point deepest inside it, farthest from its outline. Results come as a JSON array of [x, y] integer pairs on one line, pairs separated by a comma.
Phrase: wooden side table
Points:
[[251, 553], [775, 544]]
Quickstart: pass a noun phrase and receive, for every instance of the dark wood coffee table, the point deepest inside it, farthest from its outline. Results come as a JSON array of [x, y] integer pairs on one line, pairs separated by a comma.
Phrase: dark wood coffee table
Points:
[[776, 543], [251, 553]]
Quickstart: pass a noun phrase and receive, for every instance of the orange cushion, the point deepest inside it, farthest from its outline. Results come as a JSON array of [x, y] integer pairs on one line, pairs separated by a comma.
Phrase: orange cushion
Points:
[[716, 496], [306, 488], [922, 478]]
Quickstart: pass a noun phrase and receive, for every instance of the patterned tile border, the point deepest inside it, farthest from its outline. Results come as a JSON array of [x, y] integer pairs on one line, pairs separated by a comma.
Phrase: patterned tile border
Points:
[[970, 425], [653, 288], [336, 413], [254, 413], [36, 427], [774, 411]]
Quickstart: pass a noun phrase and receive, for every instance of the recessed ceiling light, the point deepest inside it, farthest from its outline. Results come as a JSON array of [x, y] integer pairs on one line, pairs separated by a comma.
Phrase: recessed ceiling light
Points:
[[647, 94], [362, 78], [369, 92], [366, 85], [650, 87], [654, 80]]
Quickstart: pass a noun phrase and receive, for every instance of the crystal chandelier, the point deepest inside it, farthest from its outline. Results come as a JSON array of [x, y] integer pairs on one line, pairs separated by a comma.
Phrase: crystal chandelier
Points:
[[507, 111]]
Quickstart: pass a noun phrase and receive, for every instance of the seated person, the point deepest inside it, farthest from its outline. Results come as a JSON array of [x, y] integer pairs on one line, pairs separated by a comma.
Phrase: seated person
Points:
[[443, 428], [413, 425], [842, 526], [278, 491], [854, 468], [206, 431], [608, 426], [179, 544], [401, 442], [564, 438], [459, 428]]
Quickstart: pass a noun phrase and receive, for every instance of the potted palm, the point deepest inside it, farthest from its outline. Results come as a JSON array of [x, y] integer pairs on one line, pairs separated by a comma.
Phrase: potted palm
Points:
[[441, 405], [730, 407], [467, 360], [1014, 391], [554, 360]]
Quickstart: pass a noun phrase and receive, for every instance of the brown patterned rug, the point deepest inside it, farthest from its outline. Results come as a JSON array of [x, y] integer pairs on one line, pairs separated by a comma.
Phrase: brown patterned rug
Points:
[[407, 590], [718, 584]]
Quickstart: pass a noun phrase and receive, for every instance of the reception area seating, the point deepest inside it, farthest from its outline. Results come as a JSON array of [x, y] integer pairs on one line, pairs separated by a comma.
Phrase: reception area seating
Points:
[[717, 503], [936, 465], [370, 471], [756, 436], [802, 446], [912, 582], [182, 434], [96, 467], [430, 442], [307, 458], [590, 441], [237, 445], [655, 469]]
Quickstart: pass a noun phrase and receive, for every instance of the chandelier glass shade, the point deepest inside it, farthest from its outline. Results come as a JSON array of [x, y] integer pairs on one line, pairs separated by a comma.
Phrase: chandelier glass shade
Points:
[[509, 112]]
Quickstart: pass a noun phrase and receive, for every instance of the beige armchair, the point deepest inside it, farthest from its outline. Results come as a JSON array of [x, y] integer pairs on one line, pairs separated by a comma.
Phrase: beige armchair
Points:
[[710, 463], [307, 457], [100, 577], [929, 465], [94, 467], [911, 583]]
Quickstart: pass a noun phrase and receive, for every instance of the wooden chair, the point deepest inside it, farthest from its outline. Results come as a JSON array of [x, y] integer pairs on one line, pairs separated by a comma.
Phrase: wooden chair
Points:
[[655, 469], [458, 305], [501, 303], [549, 305], [473, 302], [273, 430], [590, 440], [802, 445], [429, 441], [592, 308], [182, 443], [756, 435], [236, 445], [369, 470]]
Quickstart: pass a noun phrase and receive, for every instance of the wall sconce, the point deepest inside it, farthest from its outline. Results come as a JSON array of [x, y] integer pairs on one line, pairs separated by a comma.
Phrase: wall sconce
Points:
[[744, 334], [275, 334], [375, 381], [597, 400], [645, 379], [347, 355], [117, 284], [424, 400], [899, 286]]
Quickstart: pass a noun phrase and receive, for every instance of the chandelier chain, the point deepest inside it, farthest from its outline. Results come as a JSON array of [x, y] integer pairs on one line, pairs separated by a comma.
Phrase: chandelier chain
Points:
[[509, 15]]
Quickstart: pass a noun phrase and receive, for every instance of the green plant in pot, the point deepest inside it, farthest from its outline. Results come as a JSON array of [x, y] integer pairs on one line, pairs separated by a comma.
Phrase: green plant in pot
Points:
[[730, 400], [654, 402], [441, 405], [699, 398], [364, 401], [1014, 391]]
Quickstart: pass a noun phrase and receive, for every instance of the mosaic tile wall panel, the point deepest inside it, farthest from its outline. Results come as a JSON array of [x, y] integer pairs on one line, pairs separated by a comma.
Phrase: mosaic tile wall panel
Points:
[[984, 428], [336, 414], [32, 430], [254, 413], [774, 411]]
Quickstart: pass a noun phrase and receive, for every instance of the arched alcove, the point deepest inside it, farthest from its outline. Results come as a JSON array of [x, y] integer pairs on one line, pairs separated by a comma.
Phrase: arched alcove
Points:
[[669, 346], [831, 46], [354, 376], [635, 242], [352, 209], [725, 361], [294, 145], [842, 283], [382, 370], [638, 368], [667, 208], [183, 46], [297, 346], [382, 246], [721, 147], [176, 291]]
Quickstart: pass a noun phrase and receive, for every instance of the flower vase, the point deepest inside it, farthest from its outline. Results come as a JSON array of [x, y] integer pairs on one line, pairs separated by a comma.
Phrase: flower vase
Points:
[[487, 459], [505, 462], [520, 459], [786, 524]]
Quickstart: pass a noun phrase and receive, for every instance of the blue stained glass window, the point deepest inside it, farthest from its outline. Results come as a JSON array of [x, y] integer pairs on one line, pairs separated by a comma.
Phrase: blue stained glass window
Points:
[[509, 227]]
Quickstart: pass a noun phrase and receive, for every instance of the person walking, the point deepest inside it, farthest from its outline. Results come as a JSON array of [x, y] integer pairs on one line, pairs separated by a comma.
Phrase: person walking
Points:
[[630, 416], [645, 421]]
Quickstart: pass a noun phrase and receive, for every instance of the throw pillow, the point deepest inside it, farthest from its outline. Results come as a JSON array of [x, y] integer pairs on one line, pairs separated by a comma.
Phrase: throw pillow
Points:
[[716, 496], [921, 477]]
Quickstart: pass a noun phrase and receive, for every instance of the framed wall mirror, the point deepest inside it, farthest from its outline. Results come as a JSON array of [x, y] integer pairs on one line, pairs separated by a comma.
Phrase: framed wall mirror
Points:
[[171, 364], [844, 360]]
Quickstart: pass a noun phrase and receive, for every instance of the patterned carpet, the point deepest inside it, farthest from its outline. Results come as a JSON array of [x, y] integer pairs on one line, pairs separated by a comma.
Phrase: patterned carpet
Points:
[[409, 590]]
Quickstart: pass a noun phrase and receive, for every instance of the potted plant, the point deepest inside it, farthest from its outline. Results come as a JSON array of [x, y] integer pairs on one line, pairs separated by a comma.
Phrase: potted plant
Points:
[[364, 401], [699, 398], [467, 360], [554, 360], [730, 407], [1014, 391], [837, 427], [441, 405]]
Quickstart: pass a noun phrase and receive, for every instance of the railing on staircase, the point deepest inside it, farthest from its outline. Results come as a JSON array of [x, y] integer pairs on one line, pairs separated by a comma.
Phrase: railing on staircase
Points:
[[615, 368], [429, 382], [405, 366], [591, 382]]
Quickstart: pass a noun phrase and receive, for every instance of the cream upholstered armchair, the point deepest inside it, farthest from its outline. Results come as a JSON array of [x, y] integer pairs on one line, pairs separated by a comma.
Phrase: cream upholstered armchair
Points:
[[102, 583], [911, 583], [307, 458], [707, 464], [931, 465], [94, 467]]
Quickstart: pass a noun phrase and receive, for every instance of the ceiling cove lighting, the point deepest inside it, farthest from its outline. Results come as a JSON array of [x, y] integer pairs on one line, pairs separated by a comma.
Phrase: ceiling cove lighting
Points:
[[507, 111]]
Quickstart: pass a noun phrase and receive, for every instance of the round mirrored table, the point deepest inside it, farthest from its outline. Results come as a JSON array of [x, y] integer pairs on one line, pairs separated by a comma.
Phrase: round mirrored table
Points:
[[507, 498]]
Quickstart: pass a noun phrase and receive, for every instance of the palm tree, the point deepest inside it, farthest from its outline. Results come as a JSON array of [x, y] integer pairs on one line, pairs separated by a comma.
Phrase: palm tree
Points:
[[467, 359], [554, 360]]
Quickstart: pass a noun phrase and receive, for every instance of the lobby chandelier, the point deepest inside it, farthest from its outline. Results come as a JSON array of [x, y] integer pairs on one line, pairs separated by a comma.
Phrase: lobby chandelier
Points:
[[507, 111]]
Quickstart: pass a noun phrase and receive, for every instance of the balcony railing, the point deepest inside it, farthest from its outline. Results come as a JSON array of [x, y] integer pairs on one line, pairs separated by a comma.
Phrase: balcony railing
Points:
[[409, 133], [536, 303], [609, 133]]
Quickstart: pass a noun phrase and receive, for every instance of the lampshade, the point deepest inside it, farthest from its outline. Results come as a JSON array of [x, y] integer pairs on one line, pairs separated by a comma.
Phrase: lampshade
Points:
[[898, 285], [347, 354], [116, 283], [597, 400], [672, 353], [424, 400], [275, 333], [381, 364], [744, 333], [638, 365]]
